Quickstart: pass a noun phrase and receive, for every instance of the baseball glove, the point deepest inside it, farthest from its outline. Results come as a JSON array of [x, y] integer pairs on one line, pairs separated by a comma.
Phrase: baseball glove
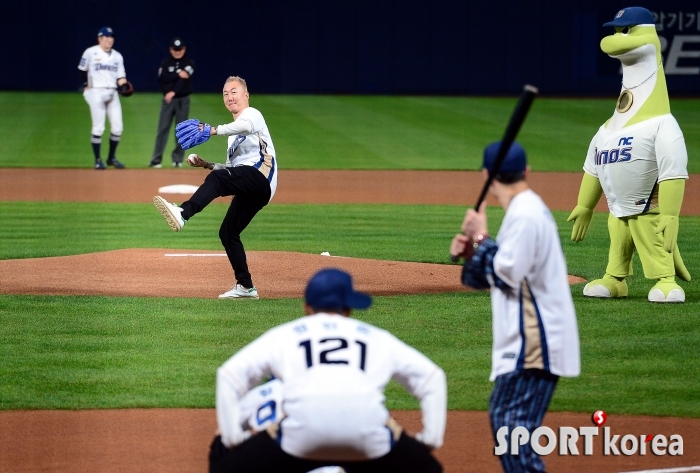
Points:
[[189, 134], [126, 89]]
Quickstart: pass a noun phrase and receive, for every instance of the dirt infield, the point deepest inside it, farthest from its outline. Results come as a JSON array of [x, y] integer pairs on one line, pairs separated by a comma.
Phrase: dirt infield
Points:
[[177, 440], [151, 273], [559, 190]]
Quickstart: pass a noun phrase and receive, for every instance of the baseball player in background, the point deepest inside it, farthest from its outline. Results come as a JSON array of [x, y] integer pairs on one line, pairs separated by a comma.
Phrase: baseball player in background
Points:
[[102, 70], [334, 370], [535, 334], [250, 175]]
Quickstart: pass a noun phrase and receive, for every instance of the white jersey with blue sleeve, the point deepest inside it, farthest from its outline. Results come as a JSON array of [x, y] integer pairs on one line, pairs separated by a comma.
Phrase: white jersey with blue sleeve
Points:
[[250, 144], [534, 323]]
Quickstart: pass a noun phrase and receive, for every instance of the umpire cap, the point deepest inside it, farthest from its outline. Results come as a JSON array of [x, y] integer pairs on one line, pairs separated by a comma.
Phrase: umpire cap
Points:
[[631, 16], [515, 160], [332, 288], [177, 43]]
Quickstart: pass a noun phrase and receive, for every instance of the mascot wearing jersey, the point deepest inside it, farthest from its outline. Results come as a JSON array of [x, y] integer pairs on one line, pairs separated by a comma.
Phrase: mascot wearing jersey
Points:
[[639, 160]]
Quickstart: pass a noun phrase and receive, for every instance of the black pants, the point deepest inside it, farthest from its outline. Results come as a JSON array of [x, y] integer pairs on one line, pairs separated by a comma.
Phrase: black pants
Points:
[[179, 108], [251, 193], [261, 454]]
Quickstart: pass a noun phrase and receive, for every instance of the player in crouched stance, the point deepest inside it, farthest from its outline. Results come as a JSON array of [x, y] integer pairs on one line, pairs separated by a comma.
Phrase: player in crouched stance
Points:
[[334, 370]]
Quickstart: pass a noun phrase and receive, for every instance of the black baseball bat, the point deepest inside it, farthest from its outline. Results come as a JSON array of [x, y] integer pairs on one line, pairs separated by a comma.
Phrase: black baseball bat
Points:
[[516, 122], [514, 125]]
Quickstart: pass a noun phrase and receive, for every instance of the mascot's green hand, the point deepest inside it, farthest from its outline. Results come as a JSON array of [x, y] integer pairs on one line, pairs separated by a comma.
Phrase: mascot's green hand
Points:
[[588, 197], [668, 224], [582, 220]]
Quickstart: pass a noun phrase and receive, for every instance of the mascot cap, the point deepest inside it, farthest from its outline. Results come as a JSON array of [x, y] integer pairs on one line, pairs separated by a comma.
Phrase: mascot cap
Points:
[[515, 160], [631, 16], [105, 31], [331, 288]]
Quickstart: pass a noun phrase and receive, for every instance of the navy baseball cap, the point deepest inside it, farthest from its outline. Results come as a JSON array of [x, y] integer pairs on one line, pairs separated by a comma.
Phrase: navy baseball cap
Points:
[[177, 43], [631, 16], [515, 160], [331, 288], [106, 31]]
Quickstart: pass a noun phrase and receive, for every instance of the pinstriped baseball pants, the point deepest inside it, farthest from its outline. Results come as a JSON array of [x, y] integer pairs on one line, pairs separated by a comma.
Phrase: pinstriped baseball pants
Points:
[[520, 399]]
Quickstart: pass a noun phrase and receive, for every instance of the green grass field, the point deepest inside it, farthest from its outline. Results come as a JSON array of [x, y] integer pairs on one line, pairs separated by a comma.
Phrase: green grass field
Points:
[[85, 352], [329, 132]]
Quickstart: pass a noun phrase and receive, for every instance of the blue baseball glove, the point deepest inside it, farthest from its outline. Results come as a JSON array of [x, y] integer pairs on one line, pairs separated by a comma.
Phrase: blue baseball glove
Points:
[[189, 135]]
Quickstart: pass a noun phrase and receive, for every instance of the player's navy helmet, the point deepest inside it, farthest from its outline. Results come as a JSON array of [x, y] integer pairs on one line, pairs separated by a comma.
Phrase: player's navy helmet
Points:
[[515, 160], [631, 16], [105, 31], [331, 288]]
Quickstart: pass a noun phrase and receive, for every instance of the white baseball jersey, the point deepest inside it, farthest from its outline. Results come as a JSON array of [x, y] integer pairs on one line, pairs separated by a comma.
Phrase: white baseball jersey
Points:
[[334, 370], [629, 163], [250, 144], [534, 325], [104, 67]]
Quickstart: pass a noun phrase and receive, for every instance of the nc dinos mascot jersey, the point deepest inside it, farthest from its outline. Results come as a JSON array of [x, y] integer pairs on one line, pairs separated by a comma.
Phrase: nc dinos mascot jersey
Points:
[[638, 158]]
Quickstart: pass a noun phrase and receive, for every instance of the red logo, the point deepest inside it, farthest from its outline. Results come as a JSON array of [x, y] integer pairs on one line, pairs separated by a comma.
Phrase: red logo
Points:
[[599, 418]]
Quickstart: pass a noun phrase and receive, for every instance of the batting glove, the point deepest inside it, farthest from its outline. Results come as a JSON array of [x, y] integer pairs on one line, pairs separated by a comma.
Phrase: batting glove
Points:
[[668, 225], [582, 220]]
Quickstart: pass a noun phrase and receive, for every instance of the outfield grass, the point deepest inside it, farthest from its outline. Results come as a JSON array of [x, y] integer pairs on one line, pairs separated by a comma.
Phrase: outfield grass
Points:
[[81, 352], [329, 132]]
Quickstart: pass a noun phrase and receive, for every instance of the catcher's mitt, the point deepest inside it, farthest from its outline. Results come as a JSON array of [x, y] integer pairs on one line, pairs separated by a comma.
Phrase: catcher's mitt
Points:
[[126, 89]]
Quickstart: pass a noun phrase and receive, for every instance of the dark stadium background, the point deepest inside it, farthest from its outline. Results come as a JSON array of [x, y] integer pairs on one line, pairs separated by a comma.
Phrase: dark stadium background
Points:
[[445, 47]]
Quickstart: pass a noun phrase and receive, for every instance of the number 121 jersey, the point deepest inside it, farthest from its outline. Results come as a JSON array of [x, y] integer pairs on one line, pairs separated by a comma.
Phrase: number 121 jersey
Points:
[[334, 371]]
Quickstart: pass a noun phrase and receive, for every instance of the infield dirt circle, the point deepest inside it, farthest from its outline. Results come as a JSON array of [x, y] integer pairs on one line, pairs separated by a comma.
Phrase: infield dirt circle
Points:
[[177, 440]]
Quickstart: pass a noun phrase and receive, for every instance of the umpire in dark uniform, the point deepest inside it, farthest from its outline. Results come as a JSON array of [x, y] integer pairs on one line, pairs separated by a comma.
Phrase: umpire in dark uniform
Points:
[[174, 76]]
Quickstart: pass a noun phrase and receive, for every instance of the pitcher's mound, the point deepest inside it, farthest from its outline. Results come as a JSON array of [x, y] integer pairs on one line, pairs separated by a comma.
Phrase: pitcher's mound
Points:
[[187, 273]]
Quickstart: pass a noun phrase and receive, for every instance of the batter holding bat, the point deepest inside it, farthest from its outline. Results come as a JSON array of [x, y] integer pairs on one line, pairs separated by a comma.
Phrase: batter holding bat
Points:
[[249, 175], [535, 334]]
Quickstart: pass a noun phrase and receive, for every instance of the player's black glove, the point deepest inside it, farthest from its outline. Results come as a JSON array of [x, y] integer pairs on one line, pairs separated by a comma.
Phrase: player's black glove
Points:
[[126, 89]]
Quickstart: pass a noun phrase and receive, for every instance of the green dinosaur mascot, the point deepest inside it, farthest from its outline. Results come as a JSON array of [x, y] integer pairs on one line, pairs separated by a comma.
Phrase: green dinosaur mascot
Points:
[[639, 160]]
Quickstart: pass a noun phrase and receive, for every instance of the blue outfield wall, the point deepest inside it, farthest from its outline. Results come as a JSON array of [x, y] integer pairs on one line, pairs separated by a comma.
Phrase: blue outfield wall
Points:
[[361, 47]]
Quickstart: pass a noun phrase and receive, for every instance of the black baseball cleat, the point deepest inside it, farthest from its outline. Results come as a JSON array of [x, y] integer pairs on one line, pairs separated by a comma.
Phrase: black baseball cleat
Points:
[[100, 165], [155, 164], [115, 162], [177, 164]]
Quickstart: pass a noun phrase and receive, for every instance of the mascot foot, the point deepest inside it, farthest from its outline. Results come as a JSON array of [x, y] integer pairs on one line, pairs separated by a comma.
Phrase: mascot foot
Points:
[[606, 287], [666, 291]]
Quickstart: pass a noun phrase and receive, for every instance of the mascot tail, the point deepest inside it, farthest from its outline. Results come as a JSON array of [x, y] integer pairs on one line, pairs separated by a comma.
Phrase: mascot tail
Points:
[[681, 272]]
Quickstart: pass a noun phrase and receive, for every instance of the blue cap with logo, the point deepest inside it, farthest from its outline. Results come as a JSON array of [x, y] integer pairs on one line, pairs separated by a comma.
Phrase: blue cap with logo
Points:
[[631, 16], [105, 31], [515, 160], [331, 288]]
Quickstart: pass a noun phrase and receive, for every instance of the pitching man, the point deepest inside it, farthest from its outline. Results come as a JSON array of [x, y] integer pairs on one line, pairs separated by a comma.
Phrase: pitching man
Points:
[[103, 79], [535, 335], [334, 370], [250, 175]]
